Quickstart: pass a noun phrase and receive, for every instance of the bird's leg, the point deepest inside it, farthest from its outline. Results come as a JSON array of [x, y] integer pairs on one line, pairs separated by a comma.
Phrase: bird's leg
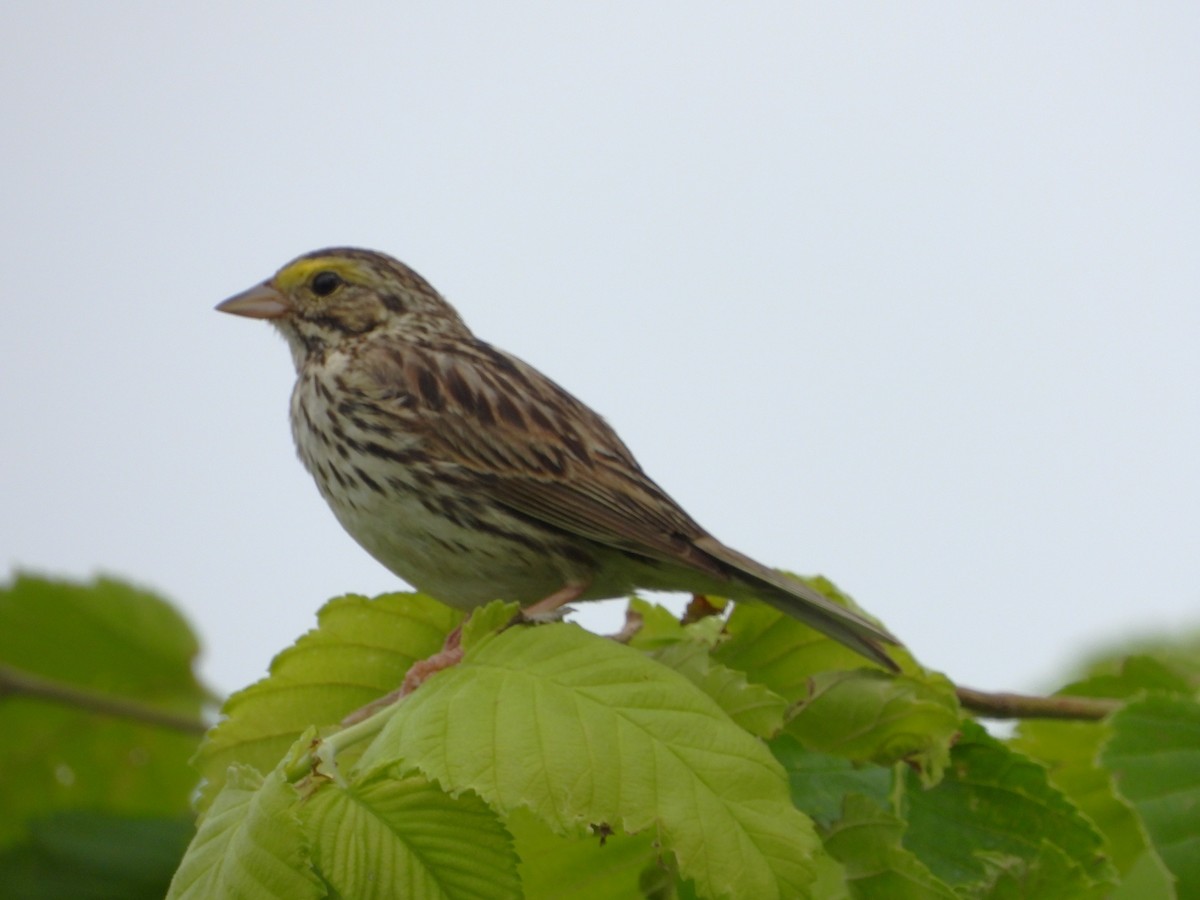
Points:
[[634, 621], [450, 654], [547, 609], [551, 608]]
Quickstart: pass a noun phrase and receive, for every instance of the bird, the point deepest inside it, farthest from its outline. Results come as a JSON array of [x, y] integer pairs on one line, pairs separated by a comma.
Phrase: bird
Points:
[[473, 476]]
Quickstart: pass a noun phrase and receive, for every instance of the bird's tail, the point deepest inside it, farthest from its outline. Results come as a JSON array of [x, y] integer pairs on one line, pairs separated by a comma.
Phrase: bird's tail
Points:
[[795, 598]]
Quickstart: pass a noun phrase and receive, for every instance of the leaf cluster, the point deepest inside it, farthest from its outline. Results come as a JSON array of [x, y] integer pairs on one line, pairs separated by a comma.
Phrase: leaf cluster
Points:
[[741, 755]]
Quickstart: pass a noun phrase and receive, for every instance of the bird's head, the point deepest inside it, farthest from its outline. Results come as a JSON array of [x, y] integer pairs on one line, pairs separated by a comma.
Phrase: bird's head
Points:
[[328, 298]]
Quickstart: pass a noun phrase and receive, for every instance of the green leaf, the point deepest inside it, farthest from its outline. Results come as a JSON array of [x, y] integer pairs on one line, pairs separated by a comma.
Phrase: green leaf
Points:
[[1147, 879], [1128, 676], [390, 837], [866, 715], [584, 731], [997, 801], [1173, 659], [582, 868], [485, 621], [1050, 875], [820, 782], [755, 708], [1070, 751], [108, 638], [359, 652], [249, 844], [844, 706], [866, 841], [80, 855], [1154, 754], [106, 635], [659, 626]]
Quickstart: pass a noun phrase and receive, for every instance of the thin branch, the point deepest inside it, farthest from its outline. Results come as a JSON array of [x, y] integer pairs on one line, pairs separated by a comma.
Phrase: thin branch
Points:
[[15, 682], [1022, 706]]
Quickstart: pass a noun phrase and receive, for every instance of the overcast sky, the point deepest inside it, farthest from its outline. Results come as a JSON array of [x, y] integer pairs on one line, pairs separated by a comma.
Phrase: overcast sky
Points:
[[904, 294]]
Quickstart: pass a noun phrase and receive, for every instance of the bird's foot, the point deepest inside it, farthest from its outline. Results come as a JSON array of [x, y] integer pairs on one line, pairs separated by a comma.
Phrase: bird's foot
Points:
[[450, 655], [551, 608]]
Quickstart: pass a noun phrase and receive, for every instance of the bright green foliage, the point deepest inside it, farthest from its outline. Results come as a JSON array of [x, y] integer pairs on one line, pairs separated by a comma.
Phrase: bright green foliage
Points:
[[583, 867], [414, 833], [79, 786], [1154, 754], [358, 652], [587, 732], [250, 844], [753, 707], [840, 705], [742, 755], [867, 715]]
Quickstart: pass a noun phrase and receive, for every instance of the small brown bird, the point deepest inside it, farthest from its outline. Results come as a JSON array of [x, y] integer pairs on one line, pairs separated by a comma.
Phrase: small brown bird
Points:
[[473, 476]]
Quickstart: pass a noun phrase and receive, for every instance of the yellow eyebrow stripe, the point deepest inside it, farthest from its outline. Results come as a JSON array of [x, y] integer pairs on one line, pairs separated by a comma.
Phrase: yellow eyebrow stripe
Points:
[[292, 276]]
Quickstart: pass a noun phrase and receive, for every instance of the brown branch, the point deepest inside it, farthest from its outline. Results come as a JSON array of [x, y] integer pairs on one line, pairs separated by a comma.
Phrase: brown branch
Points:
[[15, 682], [1023, 706]]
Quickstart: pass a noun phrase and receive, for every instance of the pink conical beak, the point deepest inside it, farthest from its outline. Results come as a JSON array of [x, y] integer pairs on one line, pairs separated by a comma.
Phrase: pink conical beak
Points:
[[260, 302]]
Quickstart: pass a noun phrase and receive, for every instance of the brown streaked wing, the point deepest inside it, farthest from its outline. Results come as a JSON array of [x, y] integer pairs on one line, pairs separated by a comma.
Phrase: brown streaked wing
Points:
[[555, 460]]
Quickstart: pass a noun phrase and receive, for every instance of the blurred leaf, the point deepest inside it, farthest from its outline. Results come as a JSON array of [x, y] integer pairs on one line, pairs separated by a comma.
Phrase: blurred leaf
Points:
[[359, 651], [249, 844], [584, 731], [95, 856], [100, 637], [1129, 675], [866, 841], [106, 635], [1070, 752], [1049, 875], [1147, 879], [994, 800], [1154, 753], [1174, 657], [391, 837]]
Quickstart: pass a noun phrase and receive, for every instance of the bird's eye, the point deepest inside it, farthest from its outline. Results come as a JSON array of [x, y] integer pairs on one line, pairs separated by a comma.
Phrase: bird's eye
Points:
[[325, 283]]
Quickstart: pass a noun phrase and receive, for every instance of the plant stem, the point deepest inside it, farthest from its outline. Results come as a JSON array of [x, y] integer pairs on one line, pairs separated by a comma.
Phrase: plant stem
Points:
[[1023, 706], [16, 682]]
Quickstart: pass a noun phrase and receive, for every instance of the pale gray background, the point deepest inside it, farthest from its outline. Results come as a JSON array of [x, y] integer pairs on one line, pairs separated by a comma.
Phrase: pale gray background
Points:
[[901, 293]]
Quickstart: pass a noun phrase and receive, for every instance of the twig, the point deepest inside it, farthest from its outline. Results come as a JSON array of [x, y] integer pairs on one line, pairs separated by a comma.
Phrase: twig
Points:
[[1022, 706], [20, 683]]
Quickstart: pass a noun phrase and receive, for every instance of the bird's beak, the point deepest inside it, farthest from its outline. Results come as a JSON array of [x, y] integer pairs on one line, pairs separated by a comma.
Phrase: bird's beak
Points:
[[260, 302]]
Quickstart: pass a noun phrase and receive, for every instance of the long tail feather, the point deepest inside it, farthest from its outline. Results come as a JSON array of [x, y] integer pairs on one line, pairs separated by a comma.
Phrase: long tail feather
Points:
[[795, 598]]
